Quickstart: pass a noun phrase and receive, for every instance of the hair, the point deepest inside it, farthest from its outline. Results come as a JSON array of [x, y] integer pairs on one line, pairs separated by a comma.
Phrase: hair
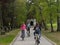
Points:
[[37, 24]]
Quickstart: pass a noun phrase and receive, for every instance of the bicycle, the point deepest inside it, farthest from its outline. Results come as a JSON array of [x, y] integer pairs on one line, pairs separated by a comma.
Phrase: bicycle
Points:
[[37, 39], [28, 33]]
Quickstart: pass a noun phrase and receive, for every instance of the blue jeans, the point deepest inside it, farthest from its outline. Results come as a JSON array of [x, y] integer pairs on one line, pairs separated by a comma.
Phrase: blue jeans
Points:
[[38, 34], [23, 33]]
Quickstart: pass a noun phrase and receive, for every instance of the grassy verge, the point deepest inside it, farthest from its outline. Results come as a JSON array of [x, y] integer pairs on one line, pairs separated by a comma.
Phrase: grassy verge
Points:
[[6, 39], [54, 36]]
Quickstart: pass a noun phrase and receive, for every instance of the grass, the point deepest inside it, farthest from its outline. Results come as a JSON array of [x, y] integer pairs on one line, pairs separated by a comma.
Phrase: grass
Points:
[[6, 39], [54, 25], [54, 36]]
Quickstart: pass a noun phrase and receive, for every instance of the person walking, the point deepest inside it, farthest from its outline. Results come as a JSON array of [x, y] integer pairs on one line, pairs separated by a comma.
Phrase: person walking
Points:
[[23, 28]]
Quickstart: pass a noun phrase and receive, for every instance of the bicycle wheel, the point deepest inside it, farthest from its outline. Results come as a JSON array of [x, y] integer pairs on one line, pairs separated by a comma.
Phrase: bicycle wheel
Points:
[[22, 38], [36, 43], [28, 34]]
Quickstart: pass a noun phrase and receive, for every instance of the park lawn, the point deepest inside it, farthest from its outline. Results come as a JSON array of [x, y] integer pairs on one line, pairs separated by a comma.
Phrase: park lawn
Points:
[[54, 25], [54, 36], [8, 38]]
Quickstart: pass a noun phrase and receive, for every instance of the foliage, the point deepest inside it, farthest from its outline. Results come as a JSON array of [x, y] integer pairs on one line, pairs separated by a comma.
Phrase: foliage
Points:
[[22, 8], [20, 11]]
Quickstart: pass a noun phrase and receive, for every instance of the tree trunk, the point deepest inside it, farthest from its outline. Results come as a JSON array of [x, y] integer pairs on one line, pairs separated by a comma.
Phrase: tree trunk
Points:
[[51, 23], [44, 25], [58, 23]]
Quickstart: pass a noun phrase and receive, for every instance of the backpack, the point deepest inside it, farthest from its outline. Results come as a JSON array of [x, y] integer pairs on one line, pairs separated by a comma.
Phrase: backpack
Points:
[[37, 28]]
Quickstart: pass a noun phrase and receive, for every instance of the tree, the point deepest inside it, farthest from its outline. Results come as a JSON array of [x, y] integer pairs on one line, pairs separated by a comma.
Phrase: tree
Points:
[[20, 11], [7, 8], [49, 5], [58, 17]]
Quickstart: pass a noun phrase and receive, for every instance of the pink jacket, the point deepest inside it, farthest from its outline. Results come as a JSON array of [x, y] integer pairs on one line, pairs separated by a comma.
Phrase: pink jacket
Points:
[[23, 27]]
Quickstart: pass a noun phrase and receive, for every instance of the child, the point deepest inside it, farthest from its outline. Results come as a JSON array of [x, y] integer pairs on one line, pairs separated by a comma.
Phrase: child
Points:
[[23, 28]]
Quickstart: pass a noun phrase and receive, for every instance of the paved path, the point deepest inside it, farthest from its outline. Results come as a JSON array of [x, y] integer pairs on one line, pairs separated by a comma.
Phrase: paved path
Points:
[[30, 40]]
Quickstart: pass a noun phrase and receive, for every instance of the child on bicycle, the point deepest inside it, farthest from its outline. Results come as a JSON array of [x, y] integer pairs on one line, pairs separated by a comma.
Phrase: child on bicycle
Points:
[[28, 28]]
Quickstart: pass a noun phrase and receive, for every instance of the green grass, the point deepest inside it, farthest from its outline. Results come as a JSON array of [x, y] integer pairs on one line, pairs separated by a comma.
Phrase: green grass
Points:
[[54, 36], [6, 39], [54, 25]]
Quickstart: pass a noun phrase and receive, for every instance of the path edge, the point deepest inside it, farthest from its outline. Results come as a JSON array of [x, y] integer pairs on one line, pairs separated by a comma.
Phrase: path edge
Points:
[[53, 43], [15, 38]]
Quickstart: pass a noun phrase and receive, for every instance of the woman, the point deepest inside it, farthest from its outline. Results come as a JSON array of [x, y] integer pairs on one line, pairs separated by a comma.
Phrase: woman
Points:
[[23, 28]]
